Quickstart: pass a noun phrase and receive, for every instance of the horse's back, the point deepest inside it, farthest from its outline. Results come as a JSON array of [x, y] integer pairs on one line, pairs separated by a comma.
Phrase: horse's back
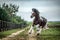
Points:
[[43, 21]]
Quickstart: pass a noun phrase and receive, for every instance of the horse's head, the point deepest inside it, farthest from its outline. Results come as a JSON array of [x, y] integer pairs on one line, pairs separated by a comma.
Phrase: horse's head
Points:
[[35, 13]]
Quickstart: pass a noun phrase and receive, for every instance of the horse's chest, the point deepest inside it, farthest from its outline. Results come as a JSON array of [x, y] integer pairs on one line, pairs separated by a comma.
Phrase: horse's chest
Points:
[[36, 22]]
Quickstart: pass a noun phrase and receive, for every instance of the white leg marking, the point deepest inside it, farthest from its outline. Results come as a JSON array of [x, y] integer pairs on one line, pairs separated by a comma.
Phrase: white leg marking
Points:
[[46, 27], [31, 30], [38, 29]]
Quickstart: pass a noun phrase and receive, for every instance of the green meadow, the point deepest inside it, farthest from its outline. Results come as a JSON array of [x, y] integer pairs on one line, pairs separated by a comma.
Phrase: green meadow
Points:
[[53, 33]]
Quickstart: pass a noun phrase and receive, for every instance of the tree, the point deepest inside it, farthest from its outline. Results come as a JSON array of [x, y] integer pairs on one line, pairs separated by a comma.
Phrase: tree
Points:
[[3, 15], [10, 9], [7, 10], [8, 13]]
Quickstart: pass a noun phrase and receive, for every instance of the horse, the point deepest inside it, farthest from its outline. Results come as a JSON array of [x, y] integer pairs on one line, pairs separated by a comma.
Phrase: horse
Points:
[[39, 21]]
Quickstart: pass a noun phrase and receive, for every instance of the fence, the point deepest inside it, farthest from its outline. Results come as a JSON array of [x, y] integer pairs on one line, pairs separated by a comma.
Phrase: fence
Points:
[[8, 25]]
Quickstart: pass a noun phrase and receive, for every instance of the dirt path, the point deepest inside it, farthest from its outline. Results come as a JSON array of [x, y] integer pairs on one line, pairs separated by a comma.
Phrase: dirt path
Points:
[[13, 35], [32, 36]]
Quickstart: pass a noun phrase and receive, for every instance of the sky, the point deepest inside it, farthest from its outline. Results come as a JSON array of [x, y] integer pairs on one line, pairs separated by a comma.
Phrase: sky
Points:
[[50, 9]]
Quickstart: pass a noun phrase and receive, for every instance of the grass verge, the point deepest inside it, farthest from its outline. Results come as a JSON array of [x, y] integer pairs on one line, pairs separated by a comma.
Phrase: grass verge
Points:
[[9, 32]]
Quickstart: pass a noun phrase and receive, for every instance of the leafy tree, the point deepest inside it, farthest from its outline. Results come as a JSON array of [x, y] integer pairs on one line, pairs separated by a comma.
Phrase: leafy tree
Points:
[[10, 8], [3, 15], [8, 13]]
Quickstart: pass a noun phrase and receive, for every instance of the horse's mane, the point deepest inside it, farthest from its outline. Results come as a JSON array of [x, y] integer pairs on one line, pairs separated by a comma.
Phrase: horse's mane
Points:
[[36, 11]]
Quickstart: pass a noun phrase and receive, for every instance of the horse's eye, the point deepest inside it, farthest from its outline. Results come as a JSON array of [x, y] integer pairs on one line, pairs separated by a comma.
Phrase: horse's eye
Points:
[[33, 14]]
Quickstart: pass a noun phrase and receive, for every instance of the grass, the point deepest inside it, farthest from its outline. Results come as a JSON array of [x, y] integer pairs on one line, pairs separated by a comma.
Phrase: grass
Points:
[[23, 35], [24, 32], [54, 23], [48, 37], [51, 31], [50, 34], [9, 32], [6, 33]]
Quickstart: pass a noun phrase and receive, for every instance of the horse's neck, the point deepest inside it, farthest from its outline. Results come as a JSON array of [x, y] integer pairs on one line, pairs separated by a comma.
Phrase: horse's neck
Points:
[[37, 17]]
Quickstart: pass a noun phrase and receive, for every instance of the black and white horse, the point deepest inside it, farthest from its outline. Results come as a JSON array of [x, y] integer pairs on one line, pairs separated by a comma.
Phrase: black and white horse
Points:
[[41, 22]]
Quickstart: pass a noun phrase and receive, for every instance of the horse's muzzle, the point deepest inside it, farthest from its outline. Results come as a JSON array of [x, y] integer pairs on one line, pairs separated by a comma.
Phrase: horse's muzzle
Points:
[[31, 16]]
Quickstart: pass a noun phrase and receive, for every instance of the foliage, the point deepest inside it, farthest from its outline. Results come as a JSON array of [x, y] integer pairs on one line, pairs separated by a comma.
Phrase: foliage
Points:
[[50, 34], [8, 13], [4, 15]]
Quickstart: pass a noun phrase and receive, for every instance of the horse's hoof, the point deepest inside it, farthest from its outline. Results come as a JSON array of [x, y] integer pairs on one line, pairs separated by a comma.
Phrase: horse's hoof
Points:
[[37, 34], [30, 33]]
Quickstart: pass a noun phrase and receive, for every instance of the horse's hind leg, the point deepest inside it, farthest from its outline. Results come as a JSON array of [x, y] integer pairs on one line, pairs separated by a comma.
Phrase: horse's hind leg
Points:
[[46, 27]]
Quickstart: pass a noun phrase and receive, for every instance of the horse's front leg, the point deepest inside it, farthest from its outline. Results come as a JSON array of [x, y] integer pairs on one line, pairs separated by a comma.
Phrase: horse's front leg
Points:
[[39, 29], [31, 30]]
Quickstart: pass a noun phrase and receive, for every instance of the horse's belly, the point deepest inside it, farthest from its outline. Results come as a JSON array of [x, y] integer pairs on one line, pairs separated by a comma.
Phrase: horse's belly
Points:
[[43, 23], [36, 23]]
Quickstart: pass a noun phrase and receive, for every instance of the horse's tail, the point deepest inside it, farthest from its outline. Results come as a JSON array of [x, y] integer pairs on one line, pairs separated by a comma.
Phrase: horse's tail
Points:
[[45, 22]]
